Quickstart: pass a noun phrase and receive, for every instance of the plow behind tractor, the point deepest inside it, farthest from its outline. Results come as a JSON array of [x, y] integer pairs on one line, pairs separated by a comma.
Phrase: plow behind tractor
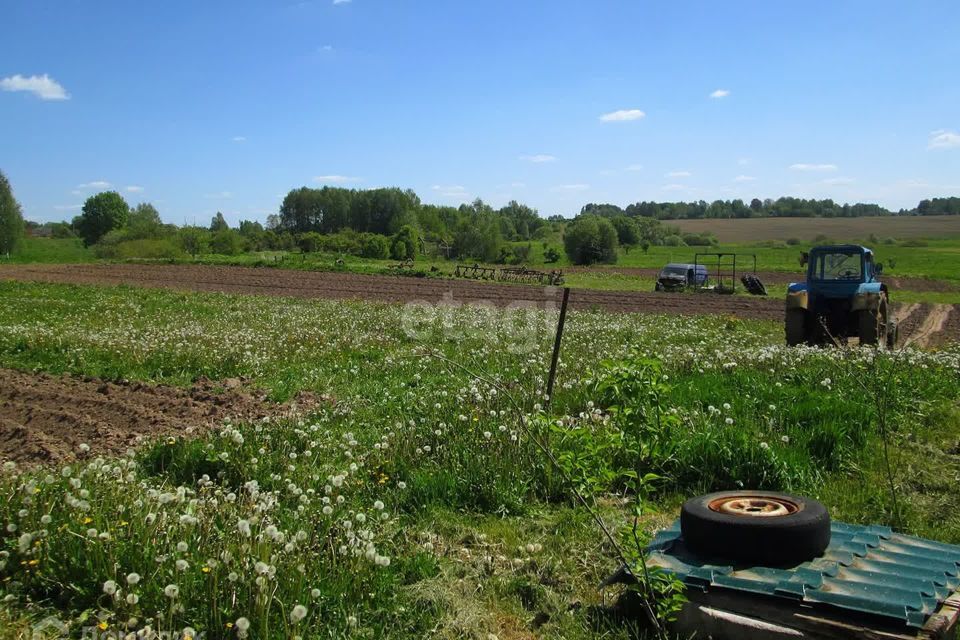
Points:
[[511, 274]]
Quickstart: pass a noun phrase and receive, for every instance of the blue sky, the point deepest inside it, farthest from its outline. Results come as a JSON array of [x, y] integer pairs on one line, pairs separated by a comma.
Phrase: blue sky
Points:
[[206, 106]]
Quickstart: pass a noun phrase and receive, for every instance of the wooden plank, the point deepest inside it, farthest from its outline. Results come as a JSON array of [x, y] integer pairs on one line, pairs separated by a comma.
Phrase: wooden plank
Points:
[[747, 611]]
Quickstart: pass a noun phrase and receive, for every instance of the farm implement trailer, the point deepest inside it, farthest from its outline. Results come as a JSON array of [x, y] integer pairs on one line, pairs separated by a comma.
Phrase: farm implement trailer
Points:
[[723, 268], [514, 274]]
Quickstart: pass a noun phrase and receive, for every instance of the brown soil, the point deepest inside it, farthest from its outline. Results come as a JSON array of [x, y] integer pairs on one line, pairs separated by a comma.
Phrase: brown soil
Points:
[[931, 329], [45, 418], [351, 286], [783, 278]]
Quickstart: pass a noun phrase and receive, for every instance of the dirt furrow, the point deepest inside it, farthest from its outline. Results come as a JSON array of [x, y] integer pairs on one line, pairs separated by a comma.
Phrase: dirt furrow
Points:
[[46, 418]]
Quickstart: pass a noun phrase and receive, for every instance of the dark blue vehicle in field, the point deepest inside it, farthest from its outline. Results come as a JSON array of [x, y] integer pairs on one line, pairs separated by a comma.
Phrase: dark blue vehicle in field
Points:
[[677, 277], [842, 298]]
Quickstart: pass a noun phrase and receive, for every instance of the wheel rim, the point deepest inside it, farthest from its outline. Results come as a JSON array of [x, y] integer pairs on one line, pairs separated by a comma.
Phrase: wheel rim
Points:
[[754, 506]]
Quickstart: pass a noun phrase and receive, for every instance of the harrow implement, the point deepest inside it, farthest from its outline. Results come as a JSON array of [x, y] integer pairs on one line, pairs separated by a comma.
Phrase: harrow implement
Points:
[[513, 274]]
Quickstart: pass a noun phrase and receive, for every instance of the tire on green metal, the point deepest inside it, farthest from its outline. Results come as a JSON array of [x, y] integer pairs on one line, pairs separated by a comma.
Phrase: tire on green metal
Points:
[[795, 329], [760, 527], [873, 323]]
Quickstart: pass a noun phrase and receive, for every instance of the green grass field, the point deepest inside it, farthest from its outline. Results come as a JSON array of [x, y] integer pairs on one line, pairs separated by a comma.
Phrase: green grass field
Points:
[[419, 502], [50, 250]]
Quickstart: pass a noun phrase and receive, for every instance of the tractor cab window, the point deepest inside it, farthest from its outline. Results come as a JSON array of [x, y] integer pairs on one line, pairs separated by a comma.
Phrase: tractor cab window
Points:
[[837, 266], [674, 271]]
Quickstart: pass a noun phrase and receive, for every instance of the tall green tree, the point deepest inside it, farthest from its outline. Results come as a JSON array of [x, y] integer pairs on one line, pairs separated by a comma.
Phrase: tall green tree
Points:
[[11, 218], [144, 222], [628, 233], [102, 213], [219, 223], [590, 239]]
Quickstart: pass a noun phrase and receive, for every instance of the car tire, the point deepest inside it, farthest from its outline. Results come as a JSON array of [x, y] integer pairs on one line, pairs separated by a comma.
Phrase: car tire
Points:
[[755, 527]]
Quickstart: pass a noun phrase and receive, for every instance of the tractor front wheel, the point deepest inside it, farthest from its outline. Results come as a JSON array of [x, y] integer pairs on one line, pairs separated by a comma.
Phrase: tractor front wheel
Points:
[[796, 331], [873, 324]]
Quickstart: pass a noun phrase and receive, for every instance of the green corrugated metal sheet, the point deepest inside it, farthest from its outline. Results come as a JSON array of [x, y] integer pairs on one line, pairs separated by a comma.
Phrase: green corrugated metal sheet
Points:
[[867, 569]]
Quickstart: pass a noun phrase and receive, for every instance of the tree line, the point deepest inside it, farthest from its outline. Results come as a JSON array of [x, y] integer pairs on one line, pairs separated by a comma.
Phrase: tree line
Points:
[[395, 223], [786, 207], [11, 218]]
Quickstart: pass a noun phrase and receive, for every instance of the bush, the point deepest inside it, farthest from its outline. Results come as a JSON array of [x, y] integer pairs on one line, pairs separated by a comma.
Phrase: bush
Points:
[[409, 238], [591, 239], [398, 250], [347, 241], [145, 249], [309, 242], [674, 241], [521, 253], [226, 242], [194, 240], [914, 242], [699, 239], [61, 230], [375, 246], [793, 241], [551, 255]]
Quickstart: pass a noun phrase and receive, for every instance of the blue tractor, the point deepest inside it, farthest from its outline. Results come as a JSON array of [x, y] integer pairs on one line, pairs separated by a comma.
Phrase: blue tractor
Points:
[[842, 298]]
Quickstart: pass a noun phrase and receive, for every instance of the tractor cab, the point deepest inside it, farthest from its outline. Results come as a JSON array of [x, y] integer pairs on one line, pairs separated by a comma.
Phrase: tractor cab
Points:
[[841, 298], [839, 270]]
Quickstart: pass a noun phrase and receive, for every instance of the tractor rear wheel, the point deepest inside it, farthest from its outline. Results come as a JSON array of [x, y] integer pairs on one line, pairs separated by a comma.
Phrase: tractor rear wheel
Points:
[[873, 324], [796, 331]]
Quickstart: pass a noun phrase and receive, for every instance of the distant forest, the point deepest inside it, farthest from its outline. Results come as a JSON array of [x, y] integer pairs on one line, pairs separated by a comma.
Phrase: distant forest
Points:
[[779, 208], [386, 211]]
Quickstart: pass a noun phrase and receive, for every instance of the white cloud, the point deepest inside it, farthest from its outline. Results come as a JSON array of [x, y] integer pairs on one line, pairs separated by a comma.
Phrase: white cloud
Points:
[[134, 188], [742, 178], [96, 184], [943, 139], [813, 167], [219, 195], [720, 93], [623, 115], [66, 207], [678, 174], [673, 187], [44, 87], [743, 162], [342, 1], [518, 185], [572, 187], [539, 158], [834, 182], [239, 138], [635, 167], [336, 179], [326, 47]]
